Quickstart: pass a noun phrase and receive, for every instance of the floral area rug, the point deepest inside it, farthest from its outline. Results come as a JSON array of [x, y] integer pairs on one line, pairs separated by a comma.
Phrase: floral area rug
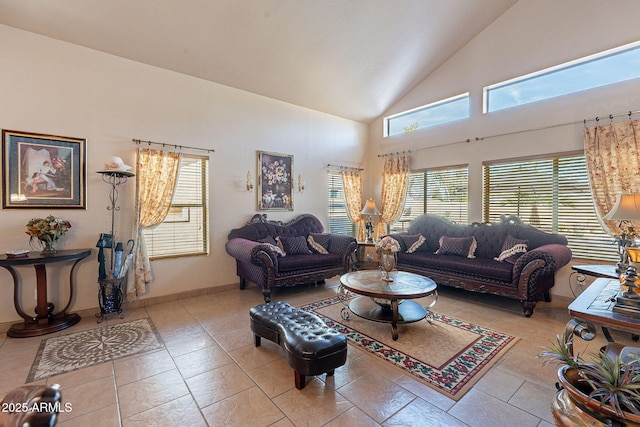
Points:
[[448, 355], [87, 348]]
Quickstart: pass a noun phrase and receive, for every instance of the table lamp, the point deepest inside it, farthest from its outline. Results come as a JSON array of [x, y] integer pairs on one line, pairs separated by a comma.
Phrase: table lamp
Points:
[[625, 209], [369, 209]]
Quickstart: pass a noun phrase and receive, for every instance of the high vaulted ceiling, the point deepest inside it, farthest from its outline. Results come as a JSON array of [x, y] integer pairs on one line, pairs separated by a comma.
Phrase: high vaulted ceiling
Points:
[[349, 58]]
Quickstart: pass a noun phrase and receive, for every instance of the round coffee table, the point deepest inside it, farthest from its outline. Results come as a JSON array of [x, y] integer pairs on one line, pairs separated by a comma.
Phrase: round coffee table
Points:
[[391, 305]]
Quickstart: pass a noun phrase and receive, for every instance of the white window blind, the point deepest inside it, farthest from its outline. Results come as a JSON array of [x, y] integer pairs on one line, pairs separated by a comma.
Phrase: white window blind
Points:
[[184, 231], [551, 194], [442, 191], [338, 218]]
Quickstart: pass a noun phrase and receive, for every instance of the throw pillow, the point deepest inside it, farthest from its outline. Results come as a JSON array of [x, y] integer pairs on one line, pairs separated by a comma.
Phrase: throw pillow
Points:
[[270, 240], [295, 245], [460, 246], [512, 247], [414, 242], [275, 248], [319, 242]]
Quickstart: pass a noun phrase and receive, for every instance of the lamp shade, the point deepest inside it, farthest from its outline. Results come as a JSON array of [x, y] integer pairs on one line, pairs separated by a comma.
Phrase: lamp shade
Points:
[[370, 208], [626, 207]]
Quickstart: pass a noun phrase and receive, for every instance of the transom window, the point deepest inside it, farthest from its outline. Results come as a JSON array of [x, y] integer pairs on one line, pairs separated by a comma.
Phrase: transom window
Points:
[[436, 113], [184, 231], [552, 194], [604, 68]]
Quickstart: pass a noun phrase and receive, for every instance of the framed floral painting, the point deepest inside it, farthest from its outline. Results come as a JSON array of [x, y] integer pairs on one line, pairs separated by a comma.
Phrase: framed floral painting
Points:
[[275, 181], [43, 171]]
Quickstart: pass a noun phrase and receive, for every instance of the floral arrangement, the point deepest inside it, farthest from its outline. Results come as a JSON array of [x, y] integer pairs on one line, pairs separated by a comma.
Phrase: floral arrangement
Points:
[[47, 230], [275, 173], [388, 243]]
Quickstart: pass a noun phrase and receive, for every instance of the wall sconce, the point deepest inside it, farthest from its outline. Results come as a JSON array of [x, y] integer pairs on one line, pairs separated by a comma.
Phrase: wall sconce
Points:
[[300, 184], [249, 181]]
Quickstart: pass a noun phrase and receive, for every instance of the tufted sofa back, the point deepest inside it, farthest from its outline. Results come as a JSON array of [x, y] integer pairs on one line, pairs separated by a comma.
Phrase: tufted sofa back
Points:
[[259, 228], [490, 237]]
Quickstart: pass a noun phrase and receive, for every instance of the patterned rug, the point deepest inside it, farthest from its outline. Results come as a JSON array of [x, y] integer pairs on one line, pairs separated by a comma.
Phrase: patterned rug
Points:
[[87, 348], [448, 355]]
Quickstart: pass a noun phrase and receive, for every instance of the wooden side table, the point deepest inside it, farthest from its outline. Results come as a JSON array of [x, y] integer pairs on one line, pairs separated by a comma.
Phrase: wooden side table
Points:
[[366, 256], [580, 272], [44, 321], [595, 306]]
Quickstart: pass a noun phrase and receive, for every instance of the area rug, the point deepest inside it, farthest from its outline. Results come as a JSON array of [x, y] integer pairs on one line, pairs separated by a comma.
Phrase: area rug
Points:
[[448, 355], [87, 348]]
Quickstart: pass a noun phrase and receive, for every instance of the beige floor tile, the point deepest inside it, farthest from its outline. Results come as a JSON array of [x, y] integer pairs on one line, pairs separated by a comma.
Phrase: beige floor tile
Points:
[[82, 376], [105, 417], [314, 405], [534, 399], [199, 361], [274, 378], [250, 407], [188, 341], [142, 366], [150, 392], [423, 414], [217, 384], [353, 417], [9, 345], [377, 396], [179, 412], [425, 392], [479, 409], [500, 384], [88, 397], [250, 357]]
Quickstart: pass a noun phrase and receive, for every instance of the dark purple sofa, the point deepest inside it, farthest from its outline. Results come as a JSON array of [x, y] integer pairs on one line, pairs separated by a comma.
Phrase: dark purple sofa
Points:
[[260, 263], [526, 276]]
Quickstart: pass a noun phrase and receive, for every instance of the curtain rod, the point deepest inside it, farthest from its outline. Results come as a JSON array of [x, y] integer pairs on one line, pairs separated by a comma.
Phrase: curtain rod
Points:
[[329, 165], [397, 153], [477, 138], [139, 141]]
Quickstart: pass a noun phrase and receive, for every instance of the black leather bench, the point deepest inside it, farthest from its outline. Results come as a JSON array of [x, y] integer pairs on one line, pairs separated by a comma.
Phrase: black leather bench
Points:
[[311, 347]]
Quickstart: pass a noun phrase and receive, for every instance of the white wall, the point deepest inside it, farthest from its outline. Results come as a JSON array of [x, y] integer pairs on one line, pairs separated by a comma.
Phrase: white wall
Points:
[[532, 35], [56, 88]]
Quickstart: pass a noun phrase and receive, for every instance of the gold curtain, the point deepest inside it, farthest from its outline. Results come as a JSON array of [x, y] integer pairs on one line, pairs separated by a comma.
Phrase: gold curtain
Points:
[[395, 180], [612, 154], [352, 184], [156, 176]]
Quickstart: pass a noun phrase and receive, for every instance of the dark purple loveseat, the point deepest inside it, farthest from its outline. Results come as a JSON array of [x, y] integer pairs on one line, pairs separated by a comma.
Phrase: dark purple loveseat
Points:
[[259, 262], [526, 276]]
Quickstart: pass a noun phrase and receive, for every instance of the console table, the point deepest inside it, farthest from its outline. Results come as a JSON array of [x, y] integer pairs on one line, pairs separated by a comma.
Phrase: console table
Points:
[[44, 321]]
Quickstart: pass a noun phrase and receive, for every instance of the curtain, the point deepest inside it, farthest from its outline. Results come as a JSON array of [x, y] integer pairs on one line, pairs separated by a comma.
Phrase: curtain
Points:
[[612, 154], [395, 180], [157, 172], [352, 184]]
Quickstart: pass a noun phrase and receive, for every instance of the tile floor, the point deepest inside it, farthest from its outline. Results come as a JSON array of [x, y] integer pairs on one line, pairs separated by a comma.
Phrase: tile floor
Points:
[[210, 373]]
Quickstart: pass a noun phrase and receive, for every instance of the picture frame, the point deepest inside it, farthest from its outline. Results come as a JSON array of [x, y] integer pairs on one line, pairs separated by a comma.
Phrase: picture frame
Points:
[[275, 181], [43, 171]]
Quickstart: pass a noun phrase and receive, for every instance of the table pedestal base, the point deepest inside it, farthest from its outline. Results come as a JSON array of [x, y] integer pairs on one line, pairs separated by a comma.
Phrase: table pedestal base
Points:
[[33, 329]]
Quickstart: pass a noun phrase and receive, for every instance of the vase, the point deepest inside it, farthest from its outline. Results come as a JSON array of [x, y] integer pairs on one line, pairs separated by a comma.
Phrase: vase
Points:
[[47, 248], [388, 261], [572, 403]]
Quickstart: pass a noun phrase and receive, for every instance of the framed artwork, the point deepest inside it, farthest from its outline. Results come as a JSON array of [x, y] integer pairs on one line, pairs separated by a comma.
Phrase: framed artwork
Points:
[[275, 182], [43, 171]]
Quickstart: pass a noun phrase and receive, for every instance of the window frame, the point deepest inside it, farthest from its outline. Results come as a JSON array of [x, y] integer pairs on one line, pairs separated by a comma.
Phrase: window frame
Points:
[[204, 249], [335, 178], [431, 106]]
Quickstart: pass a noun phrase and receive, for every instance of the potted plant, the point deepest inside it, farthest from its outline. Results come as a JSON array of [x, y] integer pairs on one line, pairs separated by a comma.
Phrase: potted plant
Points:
[[605, 388]]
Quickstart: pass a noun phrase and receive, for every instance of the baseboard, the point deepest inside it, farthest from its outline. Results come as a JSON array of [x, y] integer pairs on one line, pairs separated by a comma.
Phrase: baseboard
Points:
[[128, 305]]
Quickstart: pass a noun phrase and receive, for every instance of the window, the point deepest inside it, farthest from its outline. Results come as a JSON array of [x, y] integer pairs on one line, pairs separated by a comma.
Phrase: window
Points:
[[552, 194], [184, 231], [339, 221], [442, 192], [436, 113], [611, 66]]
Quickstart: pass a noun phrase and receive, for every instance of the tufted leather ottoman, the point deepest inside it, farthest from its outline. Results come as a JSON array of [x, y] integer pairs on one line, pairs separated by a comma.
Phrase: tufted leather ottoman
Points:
[[311, 347]]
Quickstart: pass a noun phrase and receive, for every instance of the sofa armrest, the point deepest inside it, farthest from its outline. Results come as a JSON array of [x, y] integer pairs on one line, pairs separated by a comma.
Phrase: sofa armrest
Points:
[[343, 246], [247, 250], [554, 256]]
